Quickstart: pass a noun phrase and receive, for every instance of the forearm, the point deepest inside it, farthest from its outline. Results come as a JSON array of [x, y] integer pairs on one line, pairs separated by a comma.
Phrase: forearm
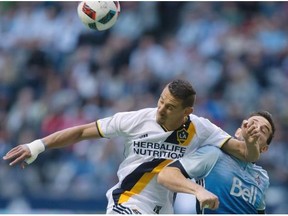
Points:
[[27, 153], [173, 179], [70, 136], [241, 150], [252, 152], [59, 139], [62, 138]]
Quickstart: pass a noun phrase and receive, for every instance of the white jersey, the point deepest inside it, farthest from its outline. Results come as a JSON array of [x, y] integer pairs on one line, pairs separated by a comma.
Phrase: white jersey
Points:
[[147, 149]]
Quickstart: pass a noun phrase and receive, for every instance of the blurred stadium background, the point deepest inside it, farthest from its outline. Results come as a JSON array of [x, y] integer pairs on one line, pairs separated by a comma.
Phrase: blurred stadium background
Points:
[[55, 73]]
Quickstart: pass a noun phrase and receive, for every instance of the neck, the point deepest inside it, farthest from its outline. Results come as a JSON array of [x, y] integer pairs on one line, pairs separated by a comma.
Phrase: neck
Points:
[[176, 126]]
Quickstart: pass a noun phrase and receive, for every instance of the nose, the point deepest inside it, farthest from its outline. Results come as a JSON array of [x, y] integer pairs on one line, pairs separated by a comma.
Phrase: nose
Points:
[[161, 108]]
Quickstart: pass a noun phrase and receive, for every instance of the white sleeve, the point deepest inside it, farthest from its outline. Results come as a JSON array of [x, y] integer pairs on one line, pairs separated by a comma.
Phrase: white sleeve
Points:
[[209, 133], [199, 164], [116, 125]]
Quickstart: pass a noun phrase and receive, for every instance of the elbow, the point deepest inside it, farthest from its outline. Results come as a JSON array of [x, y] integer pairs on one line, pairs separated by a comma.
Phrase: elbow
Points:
[[161, 177]]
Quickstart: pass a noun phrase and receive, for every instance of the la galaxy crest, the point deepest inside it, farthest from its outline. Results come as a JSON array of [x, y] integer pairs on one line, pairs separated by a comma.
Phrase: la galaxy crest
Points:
[[182, 135]]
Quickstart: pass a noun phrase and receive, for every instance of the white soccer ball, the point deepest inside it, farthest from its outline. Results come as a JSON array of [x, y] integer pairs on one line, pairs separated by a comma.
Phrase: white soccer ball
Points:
[[98, 15]]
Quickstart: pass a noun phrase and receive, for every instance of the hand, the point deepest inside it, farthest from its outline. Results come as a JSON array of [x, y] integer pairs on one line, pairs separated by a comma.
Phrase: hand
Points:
[[207, 199], [250, 132], [18, 154]]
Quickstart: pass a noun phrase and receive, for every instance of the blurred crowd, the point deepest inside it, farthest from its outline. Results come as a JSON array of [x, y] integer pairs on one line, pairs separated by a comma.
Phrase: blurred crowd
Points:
[[56, 73]]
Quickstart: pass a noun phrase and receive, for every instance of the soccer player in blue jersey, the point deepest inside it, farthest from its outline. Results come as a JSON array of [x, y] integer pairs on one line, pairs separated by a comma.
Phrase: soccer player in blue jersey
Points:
[[230, 186]]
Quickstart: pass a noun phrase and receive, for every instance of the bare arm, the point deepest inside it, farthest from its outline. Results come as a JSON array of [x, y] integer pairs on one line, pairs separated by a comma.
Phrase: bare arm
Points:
[[27, 153], [174, 180], [71, 135], [239, 149]]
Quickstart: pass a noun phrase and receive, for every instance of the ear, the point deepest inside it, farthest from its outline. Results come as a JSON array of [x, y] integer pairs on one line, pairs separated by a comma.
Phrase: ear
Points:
[[264, 149], [188, 110]]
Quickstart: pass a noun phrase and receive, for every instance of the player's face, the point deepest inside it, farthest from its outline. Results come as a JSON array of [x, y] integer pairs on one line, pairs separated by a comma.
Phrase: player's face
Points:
[[265, 131], [170, 112]]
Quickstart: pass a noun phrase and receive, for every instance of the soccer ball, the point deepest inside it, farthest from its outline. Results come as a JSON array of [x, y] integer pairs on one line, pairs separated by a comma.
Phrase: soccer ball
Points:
[[98, 15]]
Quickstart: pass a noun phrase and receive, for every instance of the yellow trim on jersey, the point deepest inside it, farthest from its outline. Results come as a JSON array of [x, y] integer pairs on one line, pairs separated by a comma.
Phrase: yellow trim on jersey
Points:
[[143, 182], [225, 141], [191, 132], [99, 129]]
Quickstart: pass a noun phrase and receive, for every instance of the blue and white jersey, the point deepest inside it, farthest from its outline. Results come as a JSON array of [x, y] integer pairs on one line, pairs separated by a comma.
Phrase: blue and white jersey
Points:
[[148, 147], [240, 186]]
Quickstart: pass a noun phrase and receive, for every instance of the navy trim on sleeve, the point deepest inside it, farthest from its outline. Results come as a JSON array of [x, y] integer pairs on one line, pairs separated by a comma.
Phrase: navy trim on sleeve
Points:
[[180, 167]]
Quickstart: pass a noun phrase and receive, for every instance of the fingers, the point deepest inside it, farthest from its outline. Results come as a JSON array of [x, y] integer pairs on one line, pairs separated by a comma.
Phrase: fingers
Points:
[[11, 153], [212, 204], [209, 200], [18, 159], [17, 155], [250, 130]]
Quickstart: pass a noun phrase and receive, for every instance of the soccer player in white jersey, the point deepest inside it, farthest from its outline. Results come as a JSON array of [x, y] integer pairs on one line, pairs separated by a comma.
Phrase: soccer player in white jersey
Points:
[[154, 137], [230, 186]]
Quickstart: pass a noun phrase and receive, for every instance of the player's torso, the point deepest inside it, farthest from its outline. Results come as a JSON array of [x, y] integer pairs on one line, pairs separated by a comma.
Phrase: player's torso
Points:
[[239, 186], [148, 148]]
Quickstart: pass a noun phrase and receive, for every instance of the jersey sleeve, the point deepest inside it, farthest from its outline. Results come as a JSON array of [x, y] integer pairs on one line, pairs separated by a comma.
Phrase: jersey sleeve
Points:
[[209, 133], [116, 125], [198, 164]]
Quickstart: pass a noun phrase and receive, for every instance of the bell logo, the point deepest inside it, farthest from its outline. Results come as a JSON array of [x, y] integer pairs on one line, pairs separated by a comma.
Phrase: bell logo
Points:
[[248, 194]]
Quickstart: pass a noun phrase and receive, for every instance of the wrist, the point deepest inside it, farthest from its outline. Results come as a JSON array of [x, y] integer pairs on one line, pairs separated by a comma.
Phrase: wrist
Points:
[[36, 147], [197, 189]]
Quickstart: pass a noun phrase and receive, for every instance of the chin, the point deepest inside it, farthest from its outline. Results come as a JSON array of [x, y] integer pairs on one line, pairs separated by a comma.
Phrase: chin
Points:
[[159, 120]]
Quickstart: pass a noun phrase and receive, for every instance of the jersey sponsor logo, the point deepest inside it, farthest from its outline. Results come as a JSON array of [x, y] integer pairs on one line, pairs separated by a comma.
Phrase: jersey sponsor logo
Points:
[[248, 194], [157, 150]]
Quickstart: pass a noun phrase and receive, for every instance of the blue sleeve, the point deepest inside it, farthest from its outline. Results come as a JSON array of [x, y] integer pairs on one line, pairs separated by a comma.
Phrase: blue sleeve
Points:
[[198, 164]]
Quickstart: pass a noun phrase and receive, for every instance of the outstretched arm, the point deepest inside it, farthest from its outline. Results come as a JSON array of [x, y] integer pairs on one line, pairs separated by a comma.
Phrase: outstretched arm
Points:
[[174, 180], [27, 153], [193, 165]]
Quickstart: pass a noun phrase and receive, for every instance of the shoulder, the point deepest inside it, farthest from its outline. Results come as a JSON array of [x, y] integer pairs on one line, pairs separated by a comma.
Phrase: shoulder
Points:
[[200, 121], [147, 112], [199, 163], [144, 112], [209, 150], [204, 127]]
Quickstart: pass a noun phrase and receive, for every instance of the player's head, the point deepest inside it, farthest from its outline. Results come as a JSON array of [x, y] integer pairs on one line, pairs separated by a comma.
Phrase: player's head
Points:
[[264, 121], [175, 103]]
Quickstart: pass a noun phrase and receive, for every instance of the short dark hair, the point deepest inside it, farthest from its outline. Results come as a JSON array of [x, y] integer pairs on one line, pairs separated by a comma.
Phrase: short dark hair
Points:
[[268, 117], [183, 90]]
